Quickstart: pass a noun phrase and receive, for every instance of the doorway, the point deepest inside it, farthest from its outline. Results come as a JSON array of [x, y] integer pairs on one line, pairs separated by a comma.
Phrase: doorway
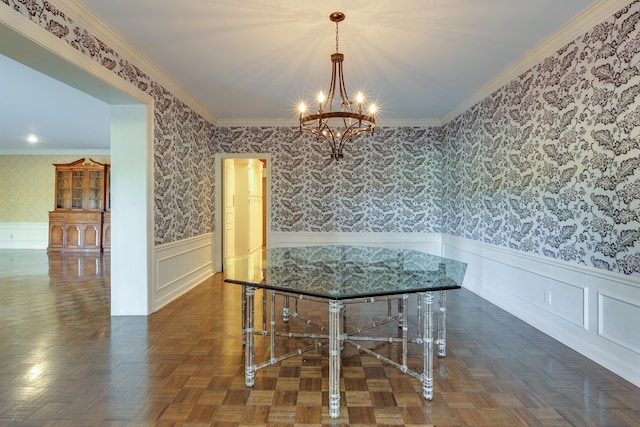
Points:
[[243, 207], [131, 153]]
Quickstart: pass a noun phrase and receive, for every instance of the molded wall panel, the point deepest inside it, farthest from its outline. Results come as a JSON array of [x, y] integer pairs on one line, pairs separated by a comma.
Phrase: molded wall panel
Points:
[[593, 311], [180, 266], [619, 321]]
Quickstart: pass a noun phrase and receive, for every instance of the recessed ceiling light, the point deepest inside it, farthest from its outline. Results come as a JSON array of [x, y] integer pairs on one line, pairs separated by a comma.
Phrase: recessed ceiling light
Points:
[[32, 139]]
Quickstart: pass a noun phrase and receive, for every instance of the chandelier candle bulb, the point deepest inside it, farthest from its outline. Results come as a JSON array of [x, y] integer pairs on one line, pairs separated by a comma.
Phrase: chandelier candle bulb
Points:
[[359, 99]]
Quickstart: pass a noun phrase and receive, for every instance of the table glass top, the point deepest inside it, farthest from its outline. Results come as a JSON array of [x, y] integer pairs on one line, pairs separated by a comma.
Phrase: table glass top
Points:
[[345, 272]]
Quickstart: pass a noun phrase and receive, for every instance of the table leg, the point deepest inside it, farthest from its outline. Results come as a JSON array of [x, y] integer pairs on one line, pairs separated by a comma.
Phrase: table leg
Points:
[[442, 326], [244, 317], [404, 321], [335, 330], [273, 326], [264, 312], [419, 315], [427, 371], [285, 308], [249, 365]]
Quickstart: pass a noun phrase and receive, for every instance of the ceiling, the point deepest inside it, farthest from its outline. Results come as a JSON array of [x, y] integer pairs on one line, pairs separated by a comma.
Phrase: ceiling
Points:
[[63, 118], [251, 62]]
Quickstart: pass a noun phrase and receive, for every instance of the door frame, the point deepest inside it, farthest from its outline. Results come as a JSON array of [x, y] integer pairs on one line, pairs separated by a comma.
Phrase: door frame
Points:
[[131, 152], [219, 201]]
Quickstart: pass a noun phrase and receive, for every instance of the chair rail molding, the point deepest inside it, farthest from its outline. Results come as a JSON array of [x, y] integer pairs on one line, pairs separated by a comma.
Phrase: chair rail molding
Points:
[[424, 242]]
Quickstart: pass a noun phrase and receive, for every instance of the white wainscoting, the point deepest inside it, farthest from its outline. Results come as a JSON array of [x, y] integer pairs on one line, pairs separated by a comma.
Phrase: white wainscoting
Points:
[[180, 266], [24, 235], [593, 311], [424, 242]]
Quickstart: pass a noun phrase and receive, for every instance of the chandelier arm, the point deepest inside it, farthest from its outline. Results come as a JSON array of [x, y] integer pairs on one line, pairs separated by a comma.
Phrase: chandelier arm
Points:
[[332, 87], [344, 97], [326, 136], [329, 136], [347, 136]]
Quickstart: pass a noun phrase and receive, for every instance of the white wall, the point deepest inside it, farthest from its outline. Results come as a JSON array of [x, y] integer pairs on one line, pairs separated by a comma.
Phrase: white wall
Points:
[[132, 210]]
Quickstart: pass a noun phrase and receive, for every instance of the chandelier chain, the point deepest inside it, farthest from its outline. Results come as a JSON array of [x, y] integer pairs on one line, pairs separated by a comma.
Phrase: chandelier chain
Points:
[[337, 51]]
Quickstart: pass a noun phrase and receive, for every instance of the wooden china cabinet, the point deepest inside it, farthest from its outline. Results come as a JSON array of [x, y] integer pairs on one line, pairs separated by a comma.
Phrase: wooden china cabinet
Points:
[[81, 220]]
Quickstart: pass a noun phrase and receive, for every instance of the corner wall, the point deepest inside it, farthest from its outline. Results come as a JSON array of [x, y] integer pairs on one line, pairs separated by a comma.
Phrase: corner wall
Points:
[[550, 163], [542, 180]]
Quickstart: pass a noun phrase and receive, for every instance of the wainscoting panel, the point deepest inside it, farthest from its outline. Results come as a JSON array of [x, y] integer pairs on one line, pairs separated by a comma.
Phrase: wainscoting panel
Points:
[[425, 242], [593, 311], [619, 320], [180, 266], [24, 235]]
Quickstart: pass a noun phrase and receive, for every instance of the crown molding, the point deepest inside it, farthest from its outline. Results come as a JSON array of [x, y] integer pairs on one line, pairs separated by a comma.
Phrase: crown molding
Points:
[[576, 27], [84, 16]]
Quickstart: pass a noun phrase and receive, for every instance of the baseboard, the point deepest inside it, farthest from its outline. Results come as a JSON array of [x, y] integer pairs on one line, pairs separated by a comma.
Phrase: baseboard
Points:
[[180, 266], [424, 242], [24, 235], [590, 310]]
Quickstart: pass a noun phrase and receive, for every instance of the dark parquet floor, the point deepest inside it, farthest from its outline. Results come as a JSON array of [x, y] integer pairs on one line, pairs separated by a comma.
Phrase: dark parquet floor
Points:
[[65, 362]]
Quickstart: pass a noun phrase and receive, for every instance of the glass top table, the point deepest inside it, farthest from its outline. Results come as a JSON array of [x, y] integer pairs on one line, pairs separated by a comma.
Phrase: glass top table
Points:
[[339, 274]]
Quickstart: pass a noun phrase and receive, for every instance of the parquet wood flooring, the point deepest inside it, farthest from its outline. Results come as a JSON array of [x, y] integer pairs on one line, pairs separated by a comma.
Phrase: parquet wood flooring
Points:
[[65, 362]]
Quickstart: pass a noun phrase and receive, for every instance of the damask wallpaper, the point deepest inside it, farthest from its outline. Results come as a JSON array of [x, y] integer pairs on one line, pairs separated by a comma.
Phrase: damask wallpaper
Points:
[[386, 182], [182, 138], [550, 164]]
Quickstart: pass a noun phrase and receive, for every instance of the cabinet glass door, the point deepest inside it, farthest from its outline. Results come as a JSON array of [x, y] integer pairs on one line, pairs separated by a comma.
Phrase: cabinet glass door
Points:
[[63, 190], [94, 195], [77, 190]]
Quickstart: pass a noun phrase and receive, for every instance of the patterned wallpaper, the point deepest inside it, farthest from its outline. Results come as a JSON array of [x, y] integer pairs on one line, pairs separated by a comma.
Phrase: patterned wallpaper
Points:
[[182, 138], [27, 185], [550, 164], [386, 182]]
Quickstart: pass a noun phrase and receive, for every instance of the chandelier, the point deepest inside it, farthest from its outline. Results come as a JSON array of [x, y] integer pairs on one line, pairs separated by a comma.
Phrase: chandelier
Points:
[[338, 120]]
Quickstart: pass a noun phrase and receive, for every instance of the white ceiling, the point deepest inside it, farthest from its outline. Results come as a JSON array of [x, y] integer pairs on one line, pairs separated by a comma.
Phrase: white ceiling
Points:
[[250, 62], [62, 117]]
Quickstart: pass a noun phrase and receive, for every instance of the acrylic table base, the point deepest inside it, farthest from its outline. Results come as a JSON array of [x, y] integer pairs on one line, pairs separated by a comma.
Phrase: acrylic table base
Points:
[[337, 336]]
